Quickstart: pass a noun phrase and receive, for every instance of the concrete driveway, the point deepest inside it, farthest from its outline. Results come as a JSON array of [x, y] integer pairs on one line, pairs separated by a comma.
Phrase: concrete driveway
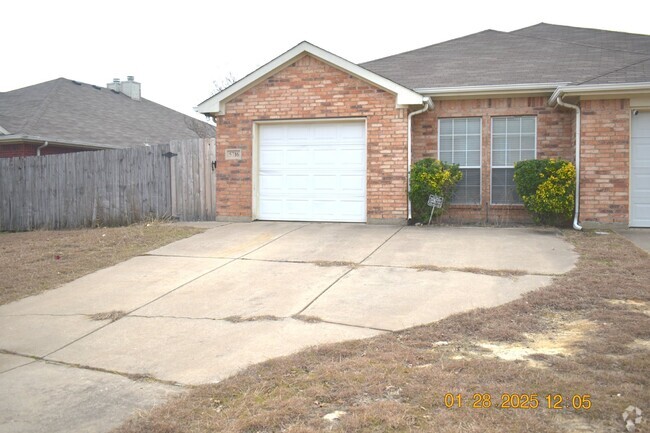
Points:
[[200, 309]]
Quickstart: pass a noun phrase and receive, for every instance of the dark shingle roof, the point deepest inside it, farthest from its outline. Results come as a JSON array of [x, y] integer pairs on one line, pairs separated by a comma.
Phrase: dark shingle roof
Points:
[[71, 112], [636, 73], [592, 37], [497, 58]]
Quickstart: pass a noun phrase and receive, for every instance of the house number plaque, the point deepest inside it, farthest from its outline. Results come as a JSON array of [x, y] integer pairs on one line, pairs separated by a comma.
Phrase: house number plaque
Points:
[[233, 154]]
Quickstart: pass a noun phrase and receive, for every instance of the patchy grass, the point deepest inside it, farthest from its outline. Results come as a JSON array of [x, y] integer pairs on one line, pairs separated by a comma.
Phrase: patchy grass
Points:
[[239, 319], [110, 315], [587, 333], [473, 270], [45, 259]]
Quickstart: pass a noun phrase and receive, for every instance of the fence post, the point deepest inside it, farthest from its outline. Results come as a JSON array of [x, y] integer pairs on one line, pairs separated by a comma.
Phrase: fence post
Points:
[[172, 170]]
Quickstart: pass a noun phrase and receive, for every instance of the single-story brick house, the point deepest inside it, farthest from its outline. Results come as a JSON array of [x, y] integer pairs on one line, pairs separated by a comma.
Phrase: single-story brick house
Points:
[[311, 136], [62, 116]]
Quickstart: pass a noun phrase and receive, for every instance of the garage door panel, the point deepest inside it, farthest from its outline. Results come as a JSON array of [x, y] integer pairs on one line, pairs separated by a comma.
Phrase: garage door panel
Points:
[[271, 183], [352, 183], [271, 206], [352, 132], [325, 183], [272, 133], [312, 171], [300, 156], [642, 186], [270, 158], [297, 183], [295, 132], [294, 207], [326, 156], [353, 158]]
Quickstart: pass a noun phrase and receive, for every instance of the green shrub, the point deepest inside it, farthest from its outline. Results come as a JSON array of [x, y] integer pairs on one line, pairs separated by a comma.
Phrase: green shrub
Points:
[[430, 176], [547, 188]]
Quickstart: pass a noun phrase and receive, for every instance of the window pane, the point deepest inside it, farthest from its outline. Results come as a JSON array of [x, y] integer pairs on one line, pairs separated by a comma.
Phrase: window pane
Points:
[[499, 125], [499, 142], [456, 145], [468, 190], [446, 157], [460, 143], [528, 141], [503, 187], [460, 126], [528, 125], [527, 154], [446, 126], [512, 156], [498, 158], [514, 141], [446, 143], [474, 125], [473, 142], [514, 125], [474, 158]]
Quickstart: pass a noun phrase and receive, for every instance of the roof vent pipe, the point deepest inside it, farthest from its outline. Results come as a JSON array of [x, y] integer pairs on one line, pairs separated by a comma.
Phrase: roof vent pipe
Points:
[[560, 102], [131, 88], [428, 103], [115, 85]]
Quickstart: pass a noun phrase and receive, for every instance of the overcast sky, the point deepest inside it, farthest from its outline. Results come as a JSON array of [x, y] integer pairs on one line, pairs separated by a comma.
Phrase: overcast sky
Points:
[[177, 49]]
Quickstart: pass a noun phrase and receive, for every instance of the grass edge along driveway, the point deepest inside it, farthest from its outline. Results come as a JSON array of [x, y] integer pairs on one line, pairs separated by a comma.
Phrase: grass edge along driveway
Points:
[[579, 348]]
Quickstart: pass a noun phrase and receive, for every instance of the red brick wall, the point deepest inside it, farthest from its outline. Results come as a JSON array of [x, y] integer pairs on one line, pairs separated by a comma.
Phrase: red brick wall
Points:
[[605, 161], [554, 140], [309, 88], [29, 149]]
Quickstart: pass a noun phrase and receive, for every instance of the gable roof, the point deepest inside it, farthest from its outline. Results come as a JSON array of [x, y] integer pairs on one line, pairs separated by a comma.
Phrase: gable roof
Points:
[[216, 103], [69, 112], [493, 58]]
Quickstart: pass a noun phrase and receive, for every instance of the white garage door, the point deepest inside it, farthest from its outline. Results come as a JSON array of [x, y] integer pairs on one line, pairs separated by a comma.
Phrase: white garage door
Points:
[[640, 171], [312, 171]]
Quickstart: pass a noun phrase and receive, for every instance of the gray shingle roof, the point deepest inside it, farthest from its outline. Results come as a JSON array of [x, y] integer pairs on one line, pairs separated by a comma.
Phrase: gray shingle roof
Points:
[[72, 112], [592, 37], [498, 58]]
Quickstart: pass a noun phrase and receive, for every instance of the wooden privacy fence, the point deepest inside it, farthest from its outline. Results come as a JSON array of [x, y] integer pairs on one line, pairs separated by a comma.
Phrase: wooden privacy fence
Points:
[[109, 187]]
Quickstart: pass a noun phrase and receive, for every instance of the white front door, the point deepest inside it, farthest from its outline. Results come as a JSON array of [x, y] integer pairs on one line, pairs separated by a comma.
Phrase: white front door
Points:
[[640, 170], [312, 171]]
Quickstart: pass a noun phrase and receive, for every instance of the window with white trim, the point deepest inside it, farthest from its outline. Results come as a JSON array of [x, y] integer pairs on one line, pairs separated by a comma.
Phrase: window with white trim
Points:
[[513, 139], [459, 142]]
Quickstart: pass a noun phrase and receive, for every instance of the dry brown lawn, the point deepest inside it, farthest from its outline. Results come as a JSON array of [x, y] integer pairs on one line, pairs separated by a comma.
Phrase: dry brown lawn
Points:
[[587, 334], [32, 262]]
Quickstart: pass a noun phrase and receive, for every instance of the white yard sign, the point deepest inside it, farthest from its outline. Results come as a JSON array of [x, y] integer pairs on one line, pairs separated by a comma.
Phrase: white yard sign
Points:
[[435, 201]]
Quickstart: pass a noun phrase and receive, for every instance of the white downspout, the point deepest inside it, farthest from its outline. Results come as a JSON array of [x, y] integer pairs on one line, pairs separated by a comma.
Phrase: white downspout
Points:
[[576, 225], [428, 103], [38, 149]]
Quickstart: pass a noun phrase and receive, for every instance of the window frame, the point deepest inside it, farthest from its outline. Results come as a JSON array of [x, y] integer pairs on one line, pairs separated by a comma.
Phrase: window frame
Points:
[[480, 156], [492, 166]]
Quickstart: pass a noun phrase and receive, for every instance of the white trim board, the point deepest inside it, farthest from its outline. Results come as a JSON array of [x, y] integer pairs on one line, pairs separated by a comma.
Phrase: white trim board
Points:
[[216, 104]]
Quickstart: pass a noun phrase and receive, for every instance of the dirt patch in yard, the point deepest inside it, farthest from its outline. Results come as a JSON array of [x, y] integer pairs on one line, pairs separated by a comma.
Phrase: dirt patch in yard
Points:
[[45, 259], [585, 346]]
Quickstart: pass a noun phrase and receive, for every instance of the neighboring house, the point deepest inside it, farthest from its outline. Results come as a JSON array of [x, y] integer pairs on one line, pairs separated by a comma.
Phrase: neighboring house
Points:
[[312, 137], [63, 115]]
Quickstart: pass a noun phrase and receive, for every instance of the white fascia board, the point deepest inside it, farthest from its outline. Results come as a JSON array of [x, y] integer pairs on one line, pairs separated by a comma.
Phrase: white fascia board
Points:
[[16, 138], [599, 89], [3, 131], [506, 89], [216, 103]]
